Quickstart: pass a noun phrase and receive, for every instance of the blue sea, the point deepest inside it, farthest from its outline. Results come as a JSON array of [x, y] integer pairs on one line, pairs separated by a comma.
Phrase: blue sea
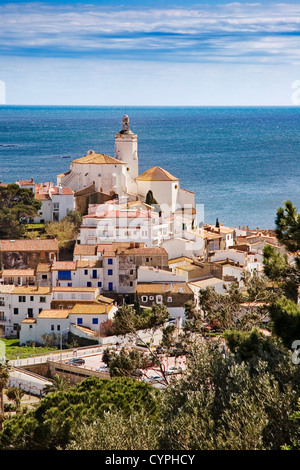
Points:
[[242, 163]]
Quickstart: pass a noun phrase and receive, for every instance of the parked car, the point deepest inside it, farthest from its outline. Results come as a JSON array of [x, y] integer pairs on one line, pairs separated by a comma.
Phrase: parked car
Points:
[[78, 361], [103, 369]]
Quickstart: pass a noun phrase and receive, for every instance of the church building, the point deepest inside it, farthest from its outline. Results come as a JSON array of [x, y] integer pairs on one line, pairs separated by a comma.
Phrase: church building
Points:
[[119, 175]]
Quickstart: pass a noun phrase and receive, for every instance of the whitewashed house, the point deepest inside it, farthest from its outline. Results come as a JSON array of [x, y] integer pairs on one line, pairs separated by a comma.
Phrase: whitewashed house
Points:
[[83, 320], [7, 326], [57, 202], [28, 302]]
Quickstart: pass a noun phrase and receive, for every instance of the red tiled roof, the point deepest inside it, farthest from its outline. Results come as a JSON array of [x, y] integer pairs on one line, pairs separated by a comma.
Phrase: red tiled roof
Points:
[[29, 245], [64, 266]]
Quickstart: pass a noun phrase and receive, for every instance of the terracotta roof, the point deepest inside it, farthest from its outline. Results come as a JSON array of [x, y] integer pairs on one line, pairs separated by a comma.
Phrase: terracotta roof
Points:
[[29, 320], [102, 248], [29, 245], [89, 263], [181, 258], [26, 182], [43, 268], [106, 300], [6, 288], [90, 309], [146, 251], [170, 287], [54, 313], [42, 197], [206, 282], [64, 266], [64, 174], [98, 159], [64, 191], [89, 250], [156, 174], [32, 290], [18, 272]]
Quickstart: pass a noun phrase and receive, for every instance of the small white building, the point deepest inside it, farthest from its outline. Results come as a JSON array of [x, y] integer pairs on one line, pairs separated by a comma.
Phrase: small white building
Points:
[[28, 302], [83, 320], [56, 202], [111, 223], [7, 326]]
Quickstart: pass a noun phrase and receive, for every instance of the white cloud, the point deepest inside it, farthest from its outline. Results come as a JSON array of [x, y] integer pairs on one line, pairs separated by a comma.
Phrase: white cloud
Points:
[[188, 32]]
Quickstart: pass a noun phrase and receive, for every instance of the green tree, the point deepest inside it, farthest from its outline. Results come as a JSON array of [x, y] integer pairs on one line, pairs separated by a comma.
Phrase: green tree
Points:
[[285, 317], [225, 403], [16, 206], [59, 384], [4, 378], [150, 199], [288, 227], [138, 431], [15, 394], [55, 422], [63, 231], [126, 363]]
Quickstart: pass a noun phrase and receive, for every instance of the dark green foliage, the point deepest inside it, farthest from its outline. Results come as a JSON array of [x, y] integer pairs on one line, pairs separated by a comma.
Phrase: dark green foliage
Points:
[[285, 316], [288, 226], [128, 320], [150, 199], [55, 421], [225, 403], [126, 363], [16, 205]]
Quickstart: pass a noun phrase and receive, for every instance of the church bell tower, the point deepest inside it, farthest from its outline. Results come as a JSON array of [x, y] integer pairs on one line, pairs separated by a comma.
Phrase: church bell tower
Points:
[[126, 148]]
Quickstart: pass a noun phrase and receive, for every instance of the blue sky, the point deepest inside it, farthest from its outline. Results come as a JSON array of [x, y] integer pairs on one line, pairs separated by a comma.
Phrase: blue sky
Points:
[[150, 52]]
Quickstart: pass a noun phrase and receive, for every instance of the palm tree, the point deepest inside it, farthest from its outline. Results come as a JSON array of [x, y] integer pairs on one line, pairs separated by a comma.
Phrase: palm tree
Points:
[[15, 394], [4, 378], [59, 384]]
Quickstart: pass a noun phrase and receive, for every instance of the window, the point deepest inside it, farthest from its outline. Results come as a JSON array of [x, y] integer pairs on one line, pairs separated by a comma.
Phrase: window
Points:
[[88, 284], [151, 297], [147, 260], [110, 261], [131, 271], [110, 272], [16, 311], [159, 299], [30, 312], [42, 299], [22, 298], [58, 327], [64, 275], [86, 272], [79, 321], [144, 298], [131, 283], [56, 206], [99, 284], [95, 321], [169, 299], [52, 327], [110, 286], [44, 276]]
